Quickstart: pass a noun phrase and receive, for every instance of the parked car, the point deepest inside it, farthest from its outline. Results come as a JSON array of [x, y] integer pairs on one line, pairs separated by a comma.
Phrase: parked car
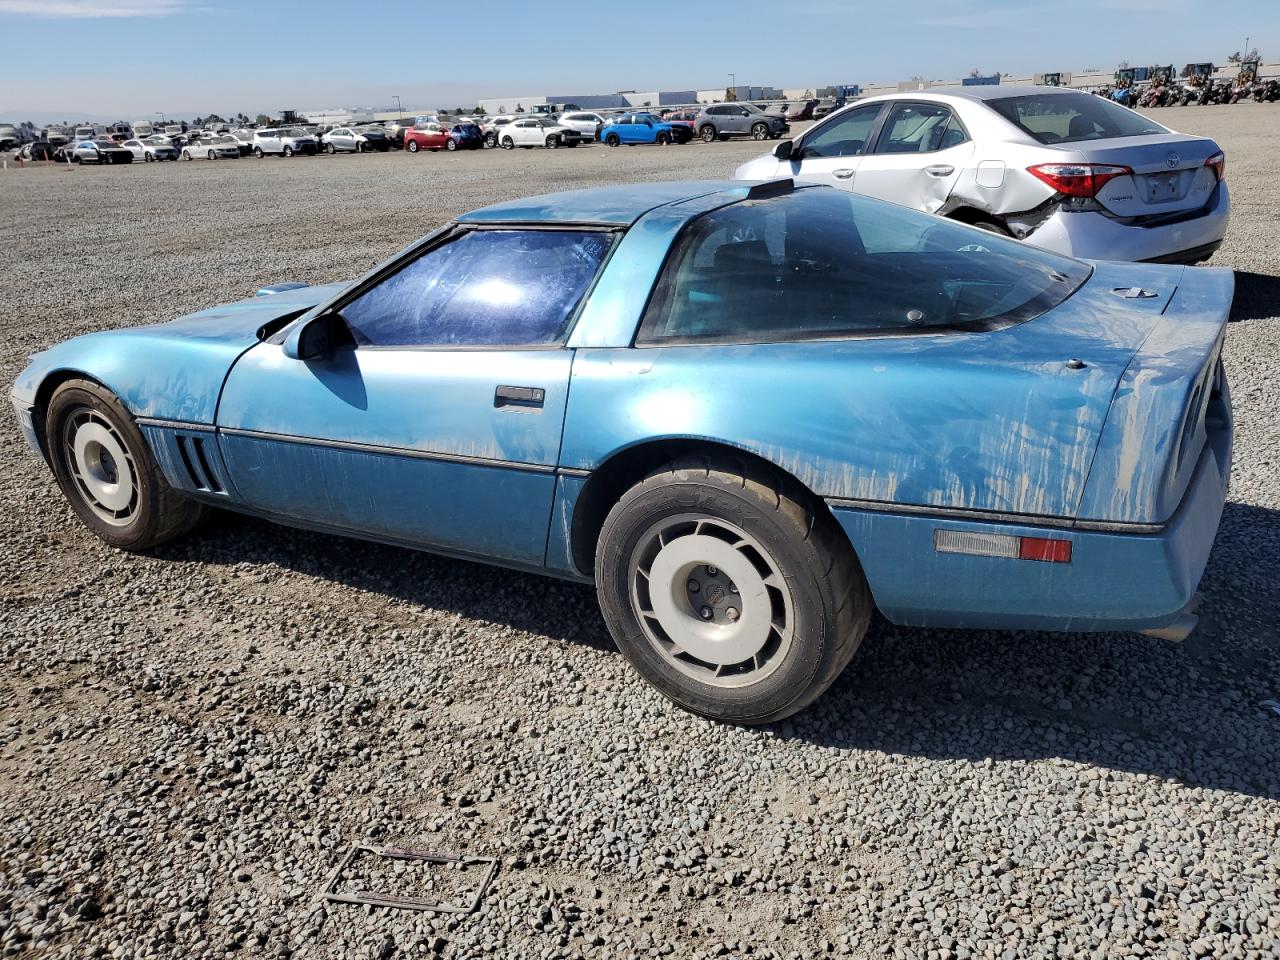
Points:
[[286, 142], [1055, 167], [720, 121], [495, 126], [87, 133], [37, 150], [150, 152], [532, 132], [800, 110], [243, 136], [10, 138], [428, 135], [829, 105], [586, 123], [633, 128], [686, 118], [781, 408], [465, 136], [346, 140], [375, 137], [100, 151], [218, 147]]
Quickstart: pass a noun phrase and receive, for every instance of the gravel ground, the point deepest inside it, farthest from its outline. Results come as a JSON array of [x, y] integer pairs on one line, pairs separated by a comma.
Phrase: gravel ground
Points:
[[190, 740]]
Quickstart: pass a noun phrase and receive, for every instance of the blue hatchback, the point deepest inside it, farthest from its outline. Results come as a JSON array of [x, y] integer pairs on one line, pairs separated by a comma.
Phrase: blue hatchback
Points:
[[632, 128]]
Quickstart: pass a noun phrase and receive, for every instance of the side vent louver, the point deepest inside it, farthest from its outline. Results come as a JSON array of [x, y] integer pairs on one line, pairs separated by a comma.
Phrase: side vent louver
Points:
[[196, 461]]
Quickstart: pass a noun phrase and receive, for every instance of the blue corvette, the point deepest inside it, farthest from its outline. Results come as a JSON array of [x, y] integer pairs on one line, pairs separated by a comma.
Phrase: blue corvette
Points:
[[749, 413]]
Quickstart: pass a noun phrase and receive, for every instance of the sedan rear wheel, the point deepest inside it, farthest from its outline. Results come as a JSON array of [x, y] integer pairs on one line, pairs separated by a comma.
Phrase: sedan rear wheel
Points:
[[552, 142], [288, 151], [211, 156], [330, 149], [186, 154], [106, 470], [508, 143], [730, 589], [257, 152]]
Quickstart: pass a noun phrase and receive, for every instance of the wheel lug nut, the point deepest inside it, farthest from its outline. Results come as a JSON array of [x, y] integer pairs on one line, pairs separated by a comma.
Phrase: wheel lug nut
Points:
[[694, 587], [712, 571], [705, 613], [732, 614]]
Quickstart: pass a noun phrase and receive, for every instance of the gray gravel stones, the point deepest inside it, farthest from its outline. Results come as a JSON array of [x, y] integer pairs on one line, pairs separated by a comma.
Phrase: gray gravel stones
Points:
[[190, 740]]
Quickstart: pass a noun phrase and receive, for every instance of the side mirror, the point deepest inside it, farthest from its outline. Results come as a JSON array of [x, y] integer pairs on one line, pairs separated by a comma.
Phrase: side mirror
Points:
[[312, 339], [782, 150]]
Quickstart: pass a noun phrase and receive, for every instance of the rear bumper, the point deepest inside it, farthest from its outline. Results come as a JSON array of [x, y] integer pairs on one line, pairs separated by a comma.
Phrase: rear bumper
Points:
[[1093, 236], [1115, 580]]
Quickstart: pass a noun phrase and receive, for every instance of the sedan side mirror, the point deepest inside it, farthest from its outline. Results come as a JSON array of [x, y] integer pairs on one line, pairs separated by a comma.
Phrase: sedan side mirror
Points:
[[313, 339], [782, 150]]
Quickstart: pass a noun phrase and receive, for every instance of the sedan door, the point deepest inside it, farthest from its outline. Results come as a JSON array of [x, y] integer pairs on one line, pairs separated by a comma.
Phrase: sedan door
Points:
[[832, 151], [918, 156], [436, 419]]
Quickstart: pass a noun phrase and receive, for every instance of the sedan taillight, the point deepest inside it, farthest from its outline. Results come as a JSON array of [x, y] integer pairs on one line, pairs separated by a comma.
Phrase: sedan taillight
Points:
[[1078, 179], [1218, 164]]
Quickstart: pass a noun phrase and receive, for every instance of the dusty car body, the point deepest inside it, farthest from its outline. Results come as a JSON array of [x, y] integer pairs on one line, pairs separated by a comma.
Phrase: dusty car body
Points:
[[1057, 168], [748, 412]]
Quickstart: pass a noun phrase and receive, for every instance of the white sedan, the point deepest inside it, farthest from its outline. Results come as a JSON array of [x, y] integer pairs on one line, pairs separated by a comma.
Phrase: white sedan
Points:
[[536, 132], [150, 149], [1060, 169]]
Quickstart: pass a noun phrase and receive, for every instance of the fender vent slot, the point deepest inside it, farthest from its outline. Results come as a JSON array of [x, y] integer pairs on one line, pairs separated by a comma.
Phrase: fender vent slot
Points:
[[196, 461]]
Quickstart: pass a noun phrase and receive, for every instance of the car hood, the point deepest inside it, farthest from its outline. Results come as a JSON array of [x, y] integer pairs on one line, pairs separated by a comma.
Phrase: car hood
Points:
[[170, 371]]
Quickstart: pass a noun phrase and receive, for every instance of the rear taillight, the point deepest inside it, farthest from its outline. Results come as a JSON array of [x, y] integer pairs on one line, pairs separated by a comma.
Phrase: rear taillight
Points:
[[1006, 546], [1218, 164], [1078, 179]]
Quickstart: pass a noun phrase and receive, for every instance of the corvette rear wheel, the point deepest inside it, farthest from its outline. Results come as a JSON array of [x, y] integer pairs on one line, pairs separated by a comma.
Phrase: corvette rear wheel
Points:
[[106, 470], [730, 590]]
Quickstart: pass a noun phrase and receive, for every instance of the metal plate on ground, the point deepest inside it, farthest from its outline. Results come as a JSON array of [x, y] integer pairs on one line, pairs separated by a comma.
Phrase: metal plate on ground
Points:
[[331, 894]]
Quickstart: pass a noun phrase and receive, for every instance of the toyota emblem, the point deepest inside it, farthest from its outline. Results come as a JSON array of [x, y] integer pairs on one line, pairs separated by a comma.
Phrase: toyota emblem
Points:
[[1172, 161]]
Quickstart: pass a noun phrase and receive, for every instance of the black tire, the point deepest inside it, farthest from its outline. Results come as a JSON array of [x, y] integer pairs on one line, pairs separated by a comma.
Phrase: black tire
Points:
[[508, 143], [663, 139], [288, 152], [451, 144], [186, 154], [211, 156], [760, 131], [992, 226], [158, 512], [330, 149], [552, 142], [490, 139], [257, 152], [828, 594], [413, 146], [612, 140], [708, 133]]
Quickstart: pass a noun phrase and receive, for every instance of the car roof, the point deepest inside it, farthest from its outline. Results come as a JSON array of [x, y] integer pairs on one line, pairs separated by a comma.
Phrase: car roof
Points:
[[618, 205]]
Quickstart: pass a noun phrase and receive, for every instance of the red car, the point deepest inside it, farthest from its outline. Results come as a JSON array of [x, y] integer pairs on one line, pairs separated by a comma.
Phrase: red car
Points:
[[426, 136], [685, 117]]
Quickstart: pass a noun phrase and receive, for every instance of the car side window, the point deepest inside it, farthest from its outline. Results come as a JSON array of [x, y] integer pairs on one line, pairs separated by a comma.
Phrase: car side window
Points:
[[485, 288], [918, 128], [845, 136]]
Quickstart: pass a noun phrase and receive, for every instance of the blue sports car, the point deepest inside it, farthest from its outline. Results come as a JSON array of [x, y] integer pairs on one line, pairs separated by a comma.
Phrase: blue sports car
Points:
[[749, 413]]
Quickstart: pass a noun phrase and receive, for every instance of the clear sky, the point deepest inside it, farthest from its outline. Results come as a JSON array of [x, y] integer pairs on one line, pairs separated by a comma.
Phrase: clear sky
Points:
[[127, 59]]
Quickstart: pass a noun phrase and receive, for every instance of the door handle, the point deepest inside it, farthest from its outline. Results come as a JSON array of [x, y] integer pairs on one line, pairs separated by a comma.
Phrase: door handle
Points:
[[844, 173], [528, 397], [940, 170]]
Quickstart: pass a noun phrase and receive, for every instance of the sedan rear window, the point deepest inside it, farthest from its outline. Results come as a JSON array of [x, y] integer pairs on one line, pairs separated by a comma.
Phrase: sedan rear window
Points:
[[820, 263], [1073, 117]]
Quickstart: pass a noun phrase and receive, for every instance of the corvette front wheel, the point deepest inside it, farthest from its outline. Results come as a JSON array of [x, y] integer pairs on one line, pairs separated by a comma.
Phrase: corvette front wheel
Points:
[[730, 590], [107, 473]]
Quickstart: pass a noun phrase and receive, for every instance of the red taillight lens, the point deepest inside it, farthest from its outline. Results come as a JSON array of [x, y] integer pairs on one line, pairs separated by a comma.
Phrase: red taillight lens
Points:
[[1078, 179], [1218, 163], [1042, 548]]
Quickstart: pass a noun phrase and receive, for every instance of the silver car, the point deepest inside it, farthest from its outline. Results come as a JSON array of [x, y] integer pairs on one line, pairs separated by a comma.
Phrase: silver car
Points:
[[1060, 169], [151, 149], [223, 147]]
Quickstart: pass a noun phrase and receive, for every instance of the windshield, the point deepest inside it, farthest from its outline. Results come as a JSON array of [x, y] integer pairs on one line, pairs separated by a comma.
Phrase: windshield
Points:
[[750, 108], [1073, 117], [819, 263], [295, 132]]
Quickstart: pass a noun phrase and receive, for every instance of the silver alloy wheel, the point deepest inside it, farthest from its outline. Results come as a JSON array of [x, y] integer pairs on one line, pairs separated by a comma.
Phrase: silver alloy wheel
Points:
[[100, 465], [711, 600]]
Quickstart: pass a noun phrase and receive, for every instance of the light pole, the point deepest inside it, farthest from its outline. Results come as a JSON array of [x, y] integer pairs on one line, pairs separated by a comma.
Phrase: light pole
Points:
[[160, 114], [398, 107], [733, 84]]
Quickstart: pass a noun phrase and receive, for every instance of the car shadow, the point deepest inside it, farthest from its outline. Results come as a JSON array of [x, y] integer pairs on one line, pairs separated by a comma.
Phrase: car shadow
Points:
[[1189, 713], [1257, 297]]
